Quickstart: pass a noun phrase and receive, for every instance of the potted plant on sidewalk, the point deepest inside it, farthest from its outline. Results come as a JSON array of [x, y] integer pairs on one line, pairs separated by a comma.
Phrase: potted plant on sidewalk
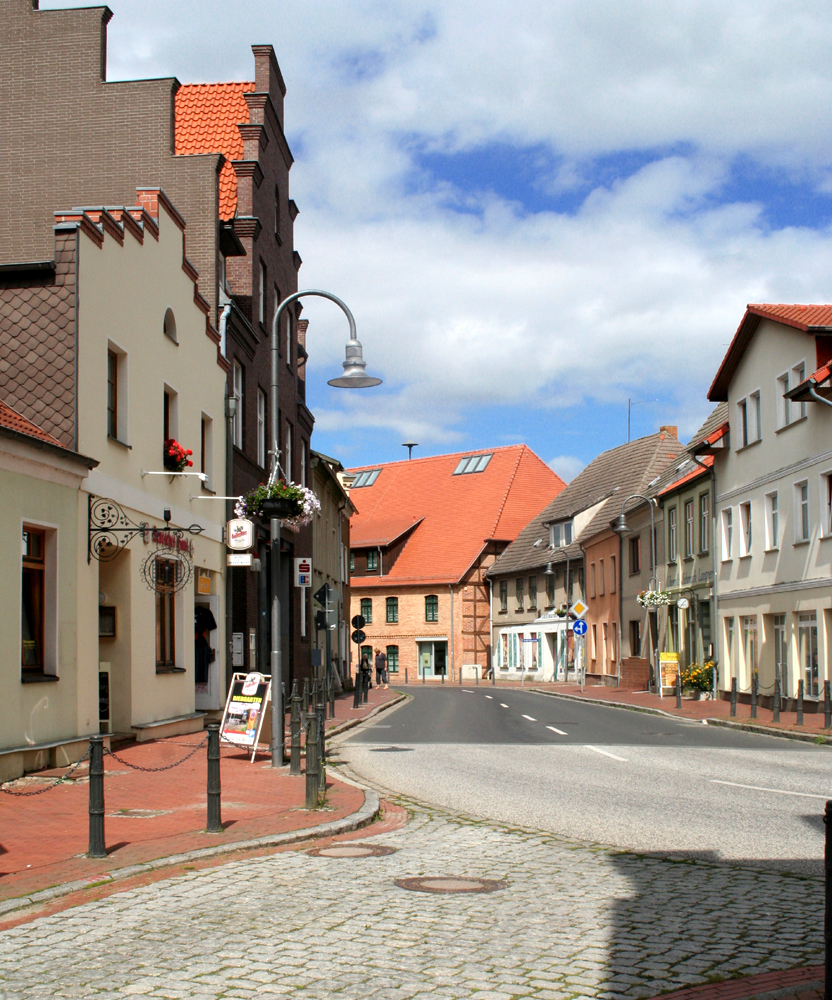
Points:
[[294, 505]]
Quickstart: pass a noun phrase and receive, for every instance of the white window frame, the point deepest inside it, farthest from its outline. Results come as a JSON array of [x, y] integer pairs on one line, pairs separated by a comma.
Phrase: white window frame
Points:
[[704, 522], [802, 513], [746, 526], [672, 535], [689, 528], [51, 607], [826, 503], [750, 420], [784, 406], [237, 420], [122, 384], [772, 521], [798, 372], [727, 525], [261, 428]]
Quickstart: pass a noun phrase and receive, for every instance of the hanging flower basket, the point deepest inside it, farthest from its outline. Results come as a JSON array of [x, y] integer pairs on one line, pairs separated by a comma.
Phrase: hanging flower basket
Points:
[[654, 598], [176, 458], [294, 505]]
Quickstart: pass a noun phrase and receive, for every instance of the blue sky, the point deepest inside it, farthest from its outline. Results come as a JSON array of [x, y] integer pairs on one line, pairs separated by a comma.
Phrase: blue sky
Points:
[[534, 211]]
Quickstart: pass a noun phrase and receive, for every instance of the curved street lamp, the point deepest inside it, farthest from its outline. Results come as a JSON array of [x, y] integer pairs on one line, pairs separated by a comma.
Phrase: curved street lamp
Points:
[[354, 377], [620, 527]]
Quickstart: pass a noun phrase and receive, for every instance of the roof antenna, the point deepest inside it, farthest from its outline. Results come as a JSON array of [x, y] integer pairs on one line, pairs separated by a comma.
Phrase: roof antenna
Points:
[[410, 445]]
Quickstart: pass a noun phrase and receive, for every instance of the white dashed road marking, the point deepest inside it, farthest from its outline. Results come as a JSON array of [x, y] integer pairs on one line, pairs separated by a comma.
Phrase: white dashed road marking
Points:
[[560, 732], [503, 706], [606, 753], [529, 718], [490, 698], [466, 691], [775, 791]]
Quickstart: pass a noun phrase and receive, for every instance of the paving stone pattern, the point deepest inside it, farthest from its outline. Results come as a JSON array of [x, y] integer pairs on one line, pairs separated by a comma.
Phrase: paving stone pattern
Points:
[[574, 921]]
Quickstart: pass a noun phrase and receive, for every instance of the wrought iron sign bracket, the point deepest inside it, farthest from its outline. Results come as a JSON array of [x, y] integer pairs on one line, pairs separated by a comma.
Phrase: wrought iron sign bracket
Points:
[[109, 530]]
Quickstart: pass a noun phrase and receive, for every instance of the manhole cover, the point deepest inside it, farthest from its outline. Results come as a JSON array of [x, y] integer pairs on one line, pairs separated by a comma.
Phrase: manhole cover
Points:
[[450, 883], [352, 851], [392, 750]]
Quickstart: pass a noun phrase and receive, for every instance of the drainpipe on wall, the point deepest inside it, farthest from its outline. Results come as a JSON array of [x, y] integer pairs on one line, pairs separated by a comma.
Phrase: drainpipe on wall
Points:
[[453, 661], [491, 624], [620, 607], [230, 411], [380, 561], [341, 643], [715, 630]]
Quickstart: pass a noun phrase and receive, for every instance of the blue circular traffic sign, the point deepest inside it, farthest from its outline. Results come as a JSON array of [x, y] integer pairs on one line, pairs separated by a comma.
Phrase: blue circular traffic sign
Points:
[[580, 627]]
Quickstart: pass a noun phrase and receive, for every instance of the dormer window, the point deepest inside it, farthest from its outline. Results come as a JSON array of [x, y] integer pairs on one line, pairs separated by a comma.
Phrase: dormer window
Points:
[[366, 478], [472, 463], [560, 534]]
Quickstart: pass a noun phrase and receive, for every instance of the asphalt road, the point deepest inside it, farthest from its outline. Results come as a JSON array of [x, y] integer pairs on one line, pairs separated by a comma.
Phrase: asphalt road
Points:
[[593, 773]]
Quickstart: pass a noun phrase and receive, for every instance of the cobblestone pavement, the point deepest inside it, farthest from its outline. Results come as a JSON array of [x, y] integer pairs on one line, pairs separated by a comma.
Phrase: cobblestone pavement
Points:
[[574, 921]]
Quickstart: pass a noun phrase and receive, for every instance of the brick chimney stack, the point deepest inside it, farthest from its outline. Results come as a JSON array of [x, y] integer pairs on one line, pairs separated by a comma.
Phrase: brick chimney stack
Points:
[[670, 429]]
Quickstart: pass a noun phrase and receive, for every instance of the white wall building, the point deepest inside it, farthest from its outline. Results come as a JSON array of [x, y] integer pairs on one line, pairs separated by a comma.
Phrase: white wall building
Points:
[[773, 506]]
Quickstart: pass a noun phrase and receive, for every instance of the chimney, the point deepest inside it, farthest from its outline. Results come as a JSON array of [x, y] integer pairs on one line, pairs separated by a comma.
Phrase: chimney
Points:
[[670, 430]]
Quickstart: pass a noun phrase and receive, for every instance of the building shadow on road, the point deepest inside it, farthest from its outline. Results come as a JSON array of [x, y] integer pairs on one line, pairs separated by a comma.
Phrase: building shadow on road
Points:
[[694, 919]]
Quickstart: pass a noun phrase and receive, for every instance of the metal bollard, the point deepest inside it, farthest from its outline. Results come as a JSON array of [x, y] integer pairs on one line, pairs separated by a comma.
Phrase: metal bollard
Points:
[[460, 676], [332, 696], [214, 787], [356, 691], [294, 730], [443, 676], [493, 675], [800, 703], [477, 676], [733, 696], [321, 761], [827, 706], [827, 906], [678, 687], [312, 762], [96, 845], [754, 683], [405, 675], [423, 675], [775, 717], [365, 689]]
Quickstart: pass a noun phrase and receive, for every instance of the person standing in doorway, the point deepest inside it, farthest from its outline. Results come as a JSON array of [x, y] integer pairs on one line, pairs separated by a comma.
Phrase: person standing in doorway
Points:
[[381, 668]]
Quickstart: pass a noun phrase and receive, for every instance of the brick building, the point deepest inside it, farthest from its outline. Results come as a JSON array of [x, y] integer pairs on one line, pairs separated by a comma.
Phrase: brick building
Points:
[[424, 536], [219, 153]]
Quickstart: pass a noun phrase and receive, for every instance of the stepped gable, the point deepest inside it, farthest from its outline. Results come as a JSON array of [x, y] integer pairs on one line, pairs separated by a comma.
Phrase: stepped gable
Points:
[[449, 518], [606, 481], [207, 116]]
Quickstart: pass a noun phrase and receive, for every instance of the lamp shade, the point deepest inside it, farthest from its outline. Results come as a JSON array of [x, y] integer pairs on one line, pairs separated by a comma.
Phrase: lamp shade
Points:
[[549, 571], [355, 376], [620, 525]]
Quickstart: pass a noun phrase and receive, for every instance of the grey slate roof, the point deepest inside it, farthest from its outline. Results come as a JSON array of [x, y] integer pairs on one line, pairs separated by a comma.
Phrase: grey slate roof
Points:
[[612, 476]]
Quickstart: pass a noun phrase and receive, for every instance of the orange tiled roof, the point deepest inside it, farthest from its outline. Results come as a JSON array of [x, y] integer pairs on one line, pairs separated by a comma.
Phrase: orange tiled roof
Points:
[[207, 116], [15, 421], [800, 317], [457, 515]]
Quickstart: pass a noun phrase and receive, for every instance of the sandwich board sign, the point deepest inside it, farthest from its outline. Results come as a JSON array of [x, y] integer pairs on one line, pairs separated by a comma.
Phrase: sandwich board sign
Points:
[[245, 709]]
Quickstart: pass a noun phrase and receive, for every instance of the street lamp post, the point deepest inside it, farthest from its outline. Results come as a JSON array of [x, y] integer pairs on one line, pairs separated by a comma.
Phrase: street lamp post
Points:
[[620, 526], [354, 377]]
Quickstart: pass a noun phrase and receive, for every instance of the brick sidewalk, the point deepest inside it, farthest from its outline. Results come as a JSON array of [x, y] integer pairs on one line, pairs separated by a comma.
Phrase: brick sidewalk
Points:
[[151, 815], [793, 984]]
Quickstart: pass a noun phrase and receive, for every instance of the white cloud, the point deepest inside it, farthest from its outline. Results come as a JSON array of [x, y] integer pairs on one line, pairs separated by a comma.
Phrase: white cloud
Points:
[[567, 466]]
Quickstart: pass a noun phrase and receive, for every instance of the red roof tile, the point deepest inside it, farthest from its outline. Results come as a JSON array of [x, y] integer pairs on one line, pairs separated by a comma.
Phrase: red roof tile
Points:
[[15, 421], [459, 514], [800, 317], [207, 116], [695, 473]]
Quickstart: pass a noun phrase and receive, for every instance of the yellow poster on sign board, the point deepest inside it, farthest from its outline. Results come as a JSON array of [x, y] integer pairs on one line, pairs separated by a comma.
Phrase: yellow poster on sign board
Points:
[[203, 582], [669, 663]]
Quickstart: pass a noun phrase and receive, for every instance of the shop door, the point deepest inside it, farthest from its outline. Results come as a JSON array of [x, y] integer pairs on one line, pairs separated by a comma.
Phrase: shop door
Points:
[[208, 682], [426, 659]]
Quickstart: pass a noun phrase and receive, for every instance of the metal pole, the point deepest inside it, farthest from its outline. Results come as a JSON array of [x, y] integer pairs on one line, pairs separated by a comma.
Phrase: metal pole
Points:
[[733, 696], [365, 688], [214, 788], [405, 675], [800, 703], [679, 686], [827, 907], [96, 844], [356, 691], [311, 761], [294, 730], [775, 715], [320, 715], [827, 706], [754, 682], [328, 669]]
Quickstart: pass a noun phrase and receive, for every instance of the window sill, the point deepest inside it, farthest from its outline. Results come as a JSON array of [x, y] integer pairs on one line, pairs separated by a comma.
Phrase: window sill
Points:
[[503, 611], [208, 490], [38, 678], [745, 555], [122, 444], [171, 670], [791, 424], [774, 548], [751, 444], [801, 541]]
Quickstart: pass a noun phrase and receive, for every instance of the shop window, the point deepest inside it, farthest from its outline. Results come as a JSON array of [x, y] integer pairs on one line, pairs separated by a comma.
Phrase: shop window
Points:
[[166, 580], [432, 608], [807, 633], [393, 659], [392, 610], [367, 610]]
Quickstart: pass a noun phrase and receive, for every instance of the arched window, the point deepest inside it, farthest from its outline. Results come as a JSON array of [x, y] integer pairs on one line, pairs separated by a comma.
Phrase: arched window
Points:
[[432, 608], [392, 610], [367, 610], [169, 325]]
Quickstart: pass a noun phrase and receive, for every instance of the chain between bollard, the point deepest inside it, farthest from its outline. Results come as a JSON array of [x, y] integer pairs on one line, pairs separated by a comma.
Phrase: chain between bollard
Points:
[[48, 788], [165, 767]]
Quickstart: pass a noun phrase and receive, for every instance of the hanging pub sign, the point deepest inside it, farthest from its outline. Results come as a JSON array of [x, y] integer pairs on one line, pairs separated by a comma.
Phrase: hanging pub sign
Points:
[[245, 709], [239, 534]]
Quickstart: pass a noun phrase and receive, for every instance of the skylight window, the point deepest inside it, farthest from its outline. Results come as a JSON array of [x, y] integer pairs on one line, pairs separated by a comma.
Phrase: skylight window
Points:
[[472, 463], [366, 478]]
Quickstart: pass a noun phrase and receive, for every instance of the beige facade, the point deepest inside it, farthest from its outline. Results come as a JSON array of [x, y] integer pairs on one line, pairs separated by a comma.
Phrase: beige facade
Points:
[[773, 528], [46, 713], [142, 338]]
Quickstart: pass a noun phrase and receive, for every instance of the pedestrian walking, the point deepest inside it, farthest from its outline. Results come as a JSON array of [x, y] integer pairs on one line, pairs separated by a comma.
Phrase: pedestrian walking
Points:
[[366, 670], [381, 668]]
